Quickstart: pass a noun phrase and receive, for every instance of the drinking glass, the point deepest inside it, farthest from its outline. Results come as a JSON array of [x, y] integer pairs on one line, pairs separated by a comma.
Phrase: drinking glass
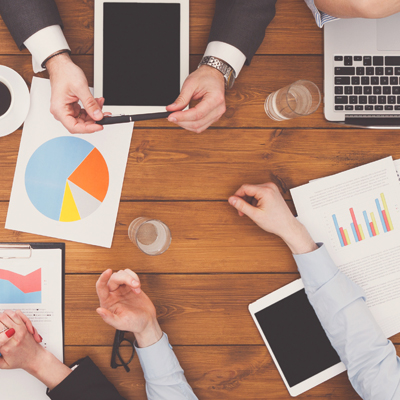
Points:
[[152, 236], [298, 99]]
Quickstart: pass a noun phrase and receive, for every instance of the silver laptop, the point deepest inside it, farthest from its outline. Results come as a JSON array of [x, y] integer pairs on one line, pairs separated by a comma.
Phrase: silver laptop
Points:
[[362, 72]]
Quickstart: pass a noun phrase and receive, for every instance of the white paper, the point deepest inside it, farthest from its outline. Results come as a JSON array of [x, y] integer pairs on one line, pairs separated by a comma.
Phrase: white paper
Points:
[[46, 316], [372, 263], [95, 227]]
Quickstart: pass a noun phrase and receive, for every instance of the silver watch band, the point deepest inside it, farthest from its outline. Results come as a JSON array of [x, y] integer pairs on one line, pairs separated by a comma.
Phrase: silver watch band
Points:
[[226, 70]]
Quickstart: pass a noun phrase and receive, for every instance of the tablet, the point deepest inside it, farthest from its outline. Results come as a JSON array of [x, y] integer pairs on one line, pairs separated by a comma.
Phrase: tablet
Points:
[[295, 338], [141, 53]]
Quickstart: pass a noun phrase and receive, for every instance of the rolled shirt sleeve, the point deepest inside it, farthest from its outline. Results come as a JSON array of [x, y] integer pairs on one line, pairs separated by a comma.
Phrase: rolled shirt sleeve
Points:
[[371, 361], [44, 43], [320, 17], [165, 379]]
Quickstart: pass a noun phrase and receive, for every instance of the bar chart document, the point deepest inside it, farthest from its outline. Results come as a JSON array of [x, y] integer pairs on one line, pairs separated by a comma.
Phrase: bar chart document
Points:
[[356, 215], [33, 285]]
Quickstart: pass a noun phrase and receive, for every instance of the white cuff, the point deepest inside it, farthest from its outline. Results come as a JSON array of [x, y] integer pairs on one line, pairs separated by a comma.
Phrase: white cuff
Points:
[[44, 43], [228, 53]]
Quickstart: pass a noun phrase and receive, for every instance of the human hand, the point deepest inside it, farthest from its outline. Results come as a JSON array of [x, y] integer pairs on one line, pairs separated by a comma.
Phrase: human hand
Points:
[[126, 307], [265, 205], [207, 84], [68, 86], [19, 348]]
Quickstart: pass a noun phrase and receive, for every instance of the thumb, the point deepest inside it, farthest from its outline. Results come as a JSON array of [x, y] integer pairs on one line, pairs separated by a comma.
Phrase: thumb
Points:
[[108, 317], [90, 104], [243, 206], [182, 100]]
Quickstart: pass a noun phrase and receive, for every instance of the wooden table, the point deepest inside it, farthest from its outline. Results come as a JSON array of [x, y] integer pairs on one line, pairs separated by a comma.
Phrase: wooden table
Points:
[[218, 263]]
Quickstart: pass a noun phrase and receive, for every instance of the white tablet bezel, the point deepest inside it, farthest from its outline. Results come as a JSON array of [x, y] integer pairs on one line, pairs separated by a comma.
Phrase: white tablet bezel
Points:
[[267, 301], [98, 53]]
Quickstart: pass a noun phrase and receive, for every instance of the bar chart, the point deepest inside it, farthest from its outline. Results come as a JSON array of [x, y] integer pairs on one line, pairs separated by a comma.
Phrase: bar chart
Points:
[[367, 225]]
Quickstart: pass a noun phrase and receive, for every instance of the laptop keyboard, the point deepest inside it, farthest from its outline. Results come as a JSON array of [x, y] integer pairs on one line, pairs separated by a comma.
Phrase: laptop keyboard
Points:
[[367, 83]]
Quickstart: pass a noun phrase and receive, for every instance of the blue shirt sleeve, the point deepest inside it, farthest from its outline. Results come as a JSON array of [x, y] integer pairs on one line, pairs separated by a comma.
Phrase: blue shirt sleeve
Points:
[[370, 358], [165, 379], [320, 17]]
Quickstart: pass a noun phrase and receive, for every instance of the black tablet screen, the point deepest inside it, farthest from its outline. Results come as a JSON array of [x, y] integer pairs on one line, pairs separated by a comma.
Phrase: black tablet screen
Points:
[[141, 54], [297, 338]]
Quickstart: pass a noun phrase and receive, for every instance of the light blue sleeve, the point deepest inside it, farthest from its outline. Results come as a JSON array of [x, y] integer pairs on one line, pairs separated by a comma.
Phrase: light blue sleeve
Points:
[[371, 361], [320, 17], [165, 379]]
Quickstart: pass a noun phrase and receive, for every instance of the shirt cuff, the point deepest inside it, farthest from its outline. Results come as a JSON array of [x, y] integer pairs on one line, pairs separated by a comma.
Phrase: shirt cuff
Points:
[[44, 43], [320, 17], [228, 53], [158, 359], [316, 268]]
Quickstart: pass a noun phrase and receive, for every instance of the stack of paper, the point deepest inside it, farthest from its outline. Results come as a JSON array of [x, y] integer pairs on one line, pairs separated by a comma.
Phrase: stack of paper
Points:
[[356, 215]]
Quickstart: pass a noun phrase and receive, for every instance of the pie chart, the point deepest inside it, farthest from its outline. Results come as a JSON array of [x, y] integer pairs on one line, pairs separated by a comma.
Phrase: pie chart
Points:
[[67, 179]]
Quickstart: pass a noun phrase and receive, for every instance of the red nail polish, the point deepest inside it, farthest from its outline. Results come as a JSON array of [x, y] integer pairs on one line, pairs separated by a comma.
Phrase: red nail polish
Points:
[[10, 332]]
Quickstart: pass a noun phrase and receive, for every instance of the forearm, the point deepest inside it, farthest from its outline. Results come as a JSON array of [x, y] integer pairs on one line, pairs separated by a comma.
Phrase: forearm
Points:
[[359, 8], [49, 370], [164, 376], [370, 359]]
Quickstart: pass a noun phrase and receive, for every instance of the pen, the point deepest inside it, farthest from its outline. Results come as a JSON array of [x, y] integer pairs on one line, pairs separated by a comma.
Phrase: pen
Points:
[[120, 119]]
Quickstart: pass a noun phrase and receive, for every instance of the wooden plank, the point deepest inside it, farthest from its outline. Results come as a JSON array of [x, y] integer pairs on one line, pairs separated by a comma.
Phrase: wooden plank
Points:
[[177, 165], [206, 237], [192, 309], [292, 17], [220, 372]]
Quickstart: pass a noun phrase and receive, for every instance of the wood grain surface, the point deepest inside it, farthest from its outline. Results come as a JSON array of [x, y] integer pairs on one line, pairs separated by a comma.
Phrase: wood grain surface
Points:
[[218, 262]]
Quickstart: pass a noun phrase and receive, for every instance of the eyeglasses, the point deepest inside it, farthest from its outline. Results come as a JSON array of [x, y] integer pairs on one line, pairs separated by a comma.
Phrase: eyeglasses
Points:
[[118, 360]]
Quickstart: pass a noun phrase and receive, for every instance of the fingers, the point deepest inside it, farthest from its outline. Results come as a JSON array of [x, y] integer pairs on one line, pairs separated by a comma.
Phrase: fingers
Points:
[[243, 207], [102, 287], [183, 99], [108, 317], [126, 277], [91, 106], [29, 326]]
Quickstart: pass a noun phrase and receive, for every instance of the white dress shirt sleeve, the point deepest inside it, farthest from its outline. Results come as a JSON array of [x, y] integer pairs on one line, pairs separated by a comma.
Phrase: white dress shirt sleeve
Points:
[[320, 17], [228, 53], [165, 379], [44, 43], [372, 365]]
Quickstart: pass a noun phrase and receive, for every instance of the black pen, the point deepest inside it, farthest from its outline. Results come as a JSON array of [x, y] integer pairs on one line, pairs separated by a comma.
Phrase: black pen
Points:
[[120, 119]]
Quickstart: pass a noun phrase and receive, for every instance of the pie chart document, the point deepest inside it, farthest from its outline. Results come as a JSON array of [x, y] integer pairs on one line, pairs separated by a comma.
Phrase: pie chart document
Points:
[[67, 186]]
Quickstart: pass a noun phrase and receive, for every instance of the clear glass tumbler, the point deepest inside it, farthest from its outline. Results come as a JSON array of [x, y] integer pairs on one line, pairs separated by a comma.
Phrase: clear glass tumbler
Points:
[[152, 236], [296, 100]]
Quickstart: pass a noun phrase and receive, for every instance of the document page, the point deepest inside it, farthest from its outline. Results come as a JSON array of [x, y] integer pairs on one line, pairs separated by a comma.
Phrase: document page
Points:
[[356, 215], [34, 286]]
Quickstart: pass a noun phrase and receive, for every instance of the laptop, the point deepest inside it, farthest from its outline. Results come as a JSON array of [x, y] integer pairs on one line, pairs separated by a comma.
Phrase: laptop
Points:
[[362, 72]]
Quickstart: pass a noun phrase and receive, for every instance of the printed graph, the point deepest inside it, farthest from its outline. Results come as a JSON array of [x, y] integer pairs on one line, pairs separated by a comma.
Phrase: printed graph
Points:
[[16, 288], [67, 179], [366, 226]]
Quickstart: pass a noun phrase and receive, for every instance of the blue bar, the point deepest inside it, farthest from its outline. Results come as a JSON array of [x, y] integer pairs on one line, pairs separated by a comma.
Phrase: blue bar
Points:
[[354, 232], [380, 215], [338, 230], [367, 223]]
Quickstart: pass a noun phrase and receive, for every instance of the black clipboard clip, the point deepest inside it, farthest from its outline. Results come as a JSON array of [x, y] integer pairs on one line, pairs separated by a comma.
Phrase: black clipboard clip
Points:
[[9, 248]]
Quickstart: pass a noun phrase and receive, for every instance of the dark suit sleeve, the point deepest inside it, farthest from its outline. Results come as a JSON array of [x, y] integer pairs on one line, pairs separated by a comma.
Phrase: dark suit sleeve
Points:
[[84, 383], [242, 24], [26, 17]]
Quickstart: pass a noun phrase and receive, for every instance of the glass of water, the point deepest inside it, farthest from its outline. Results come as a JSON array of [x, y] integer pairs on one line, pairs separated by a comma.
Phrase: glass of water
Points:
[[152, 236], [296, 100]]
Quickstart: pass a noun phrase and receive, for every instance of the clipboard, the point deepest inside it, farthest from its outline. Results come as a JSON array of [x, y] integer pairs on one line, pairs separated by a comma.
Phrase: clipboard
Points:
[[32, 279]]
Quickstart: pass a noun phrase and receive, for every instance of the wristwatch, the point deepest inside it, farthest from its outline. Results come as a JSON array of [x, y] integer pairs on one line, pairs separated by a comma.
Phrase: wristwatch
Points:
[[223, 67]]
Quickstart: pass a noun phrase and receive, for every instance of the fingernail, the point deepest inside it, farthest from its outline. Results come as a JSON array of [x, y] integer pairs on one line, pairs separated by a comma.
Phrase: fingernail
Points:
[[41, 339], [137, 290], [172, 119], [95, 112], [232, 201], [10, 332]]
